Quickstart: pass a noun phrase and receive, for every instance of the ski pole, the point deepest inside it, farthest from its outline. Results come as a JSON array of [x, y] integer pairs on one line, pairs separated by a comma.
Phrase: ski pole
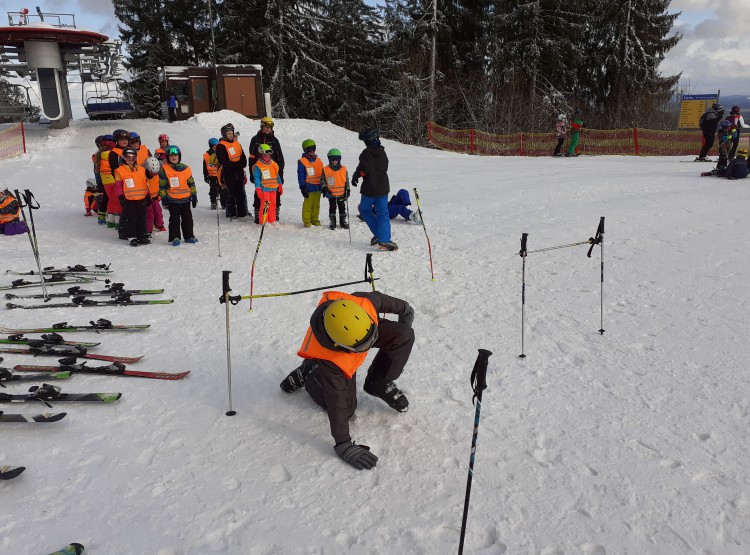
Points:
[[429, 247], [225, 289], [257, 249], [348, 218], [218, 232], [599, 240], [522, 253], [369, 270], [478, 385], [25, 200]]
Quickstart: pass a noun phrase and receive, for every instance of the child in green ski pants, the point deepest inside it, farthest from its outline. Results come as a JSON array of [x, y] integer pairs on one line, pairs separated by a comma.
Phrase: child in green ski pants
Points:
[[310, 179]]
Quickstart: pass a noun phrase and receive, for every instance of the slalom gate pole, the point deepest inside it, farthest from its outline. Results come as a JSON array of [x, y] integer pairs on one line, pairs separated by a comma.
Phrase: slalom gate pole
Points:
[[599, 240], [27, 200], [368, 267], [478, 385], [218, 231], [257, 249], [522, 253], [429, 247], [225, 289]]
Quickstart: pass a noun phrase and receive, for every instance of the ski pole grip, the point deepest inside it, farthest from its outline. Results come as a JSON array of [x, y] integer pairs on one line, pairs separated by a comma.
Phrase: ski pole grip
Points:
[[416, 194], [368, 267], [479, 373], [224, 285], [522, 252], [601, 225]]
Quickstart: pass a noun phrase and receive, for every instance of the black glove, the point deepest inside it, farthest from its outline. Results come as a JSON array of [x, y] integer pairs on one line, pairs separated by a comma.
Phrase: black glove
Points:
[[407, 316], [324, 190], [355, 179], [147, 200], [347, 192], [358, 456], [122, 200], [304, 192], [194, 201]]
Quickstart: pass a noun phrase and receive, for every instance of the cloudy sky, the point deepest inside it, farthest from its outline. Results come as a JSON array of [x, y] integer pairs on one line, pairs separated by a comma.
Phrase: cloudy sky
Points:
[[713, 54]]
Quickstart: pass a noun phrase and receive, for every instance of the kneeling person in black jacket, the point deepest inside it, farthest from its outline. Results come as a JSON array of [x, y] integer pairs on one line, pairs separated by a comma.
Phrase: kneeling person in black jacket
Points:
[[342, 330]]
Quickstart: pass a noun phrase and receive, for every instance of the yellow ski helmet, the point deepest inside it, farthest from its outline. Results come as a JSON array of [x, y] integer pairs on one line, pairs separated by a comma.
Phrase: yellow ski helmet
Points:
[[349, 326], [266, 121]]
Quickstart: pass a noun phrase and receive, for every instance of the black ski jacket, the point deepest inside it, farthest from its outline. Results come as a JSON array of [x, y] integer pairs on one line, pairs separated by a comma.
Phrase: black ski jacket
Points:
[[373, 168], [277, 156]]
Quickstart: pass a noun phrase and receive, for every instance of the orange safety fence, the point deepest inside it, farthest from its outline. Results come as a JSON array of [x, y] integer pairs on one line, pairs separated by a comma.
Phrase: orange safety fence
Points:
[[626, 142], [12, 141]]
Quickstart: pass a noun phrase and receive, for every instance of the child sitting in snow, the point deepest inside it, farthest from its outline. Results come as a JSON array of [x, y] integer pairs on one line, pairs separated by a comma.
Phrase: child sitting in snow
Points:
[[10, 211]]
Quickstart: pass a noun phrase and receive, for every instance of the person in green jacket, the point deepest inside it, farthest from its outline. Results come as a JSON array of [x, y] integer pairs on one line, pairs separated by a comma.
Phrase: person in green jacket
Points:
[[575, 130]]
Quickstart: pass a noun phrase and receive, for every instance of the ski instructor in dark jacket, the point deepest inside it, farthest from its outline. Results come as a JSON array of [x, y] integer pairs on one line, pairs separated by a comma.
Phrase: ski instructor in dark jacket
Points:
[[343, 328], [709, 124], [233, 162], [373, 206]]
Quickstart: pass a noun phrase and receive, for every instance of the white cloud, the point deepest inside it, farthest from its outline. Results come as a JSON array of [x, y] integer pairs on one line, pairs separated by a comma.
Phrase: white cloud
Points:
[[714, 52]]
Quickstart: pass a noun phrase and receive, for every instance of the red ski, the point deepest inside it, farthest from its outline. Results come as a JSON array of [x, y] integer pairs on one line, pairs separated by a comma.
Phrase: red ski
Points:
[[78, 353], [115, 369]]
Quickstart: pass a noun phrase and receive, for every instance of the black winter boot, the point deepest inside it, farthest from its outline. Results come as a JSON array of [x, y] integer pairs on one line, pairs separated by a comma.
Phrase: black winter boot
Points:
[[343, 222], [333, 220]]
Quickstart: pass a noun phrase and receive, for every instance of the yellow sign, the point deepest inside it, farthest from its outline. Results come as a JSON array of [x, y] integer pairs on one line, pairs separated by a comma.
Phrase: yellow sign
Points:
[[692, 108]]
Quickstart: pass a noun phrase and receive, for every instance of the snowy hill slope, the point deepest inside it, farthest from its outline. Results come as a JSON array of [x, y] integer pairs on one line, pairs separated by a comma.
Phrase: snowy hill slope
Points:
[[631, 442]]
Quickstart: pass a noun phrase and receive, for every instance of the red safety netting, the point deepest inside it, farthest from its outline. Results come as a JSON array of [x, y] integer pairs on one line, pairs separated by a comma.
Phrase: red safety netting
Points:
[[12, 141], [626, 142]]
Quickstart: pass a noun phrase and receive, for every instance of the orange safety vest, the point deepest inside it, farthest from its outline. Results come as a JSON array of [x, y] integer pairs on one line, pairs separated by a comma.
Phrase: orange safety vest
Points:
[[7, 218], [141, 156], [105, 172], [212, 169], [347, 361], [178, 182], [134, 185], [234, 149], [160, 154], [335, 181], [314, 170], [269, 174]]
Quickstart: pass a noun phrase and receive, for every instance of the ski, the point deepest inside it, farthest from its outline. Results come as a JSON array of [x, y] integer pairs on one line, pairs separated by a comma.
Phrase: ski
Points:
[[57, 279], [113, 290], [96, 269], [99, 325], [8, 472], [71, 549], [82, 301], [40, 418], [7, 376], [49, 350], [46, 339], [49, 392], [114, 369]]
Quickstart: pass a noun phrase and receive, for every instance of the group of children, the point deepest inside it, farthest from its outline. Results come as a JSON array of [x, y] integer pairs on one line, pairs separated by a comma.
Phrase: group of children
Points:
[[732, 162], [130, 184]]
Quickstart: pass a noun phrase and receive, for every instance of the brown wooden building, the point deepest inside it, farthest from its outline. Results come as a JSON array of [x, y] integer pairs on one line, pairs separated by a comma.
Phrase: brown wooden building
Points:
[[234, 87]]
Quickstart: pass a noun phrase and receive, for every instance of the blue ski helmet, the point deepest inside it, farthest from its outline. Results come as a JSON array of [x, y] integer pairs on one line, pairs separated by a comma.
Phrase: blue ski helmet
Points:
[[213, 142]]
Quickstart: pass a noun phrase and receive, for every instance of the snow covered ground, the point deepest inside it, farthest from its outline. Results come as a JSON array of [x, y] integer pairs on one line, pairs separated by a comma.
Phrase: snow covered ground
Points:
[[631, 442]]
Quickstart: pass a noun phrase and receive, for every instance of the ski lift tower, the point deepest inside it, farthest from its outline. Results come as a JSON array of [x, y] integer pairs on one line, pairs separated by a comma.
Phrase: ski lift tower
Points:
[[43, 47]]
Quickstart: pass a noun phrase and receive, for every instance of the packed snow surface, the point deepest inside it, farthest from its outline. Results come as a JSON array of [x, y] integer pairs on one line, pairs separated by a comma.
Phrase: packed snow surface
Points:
[[630, 442]]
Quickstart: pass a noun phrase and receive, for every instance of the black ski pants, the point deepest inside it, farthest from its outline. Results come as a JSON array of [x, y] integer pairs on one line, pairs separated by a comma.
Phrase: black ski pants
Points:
[[708, 142], [236, 196], [215, 191], [180, 217], [133, 219]]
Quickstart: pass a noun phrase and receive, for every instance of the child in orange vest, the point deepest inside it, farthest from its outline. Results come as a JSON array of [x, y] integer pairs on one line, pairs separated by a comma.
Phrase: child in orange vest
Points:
[[177, 191], [211, 176], [336, 188], [101, 167], [310, 179], [131, 190], [267, 182], [89, 196]]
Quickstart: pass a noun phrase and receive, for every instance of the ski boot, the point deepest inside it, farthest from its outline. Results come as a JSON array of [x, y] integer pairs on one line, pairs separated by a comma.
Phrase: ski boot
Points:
[[343, 222], [333, 221], [296, 378], [390, 246], [388, 392]]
